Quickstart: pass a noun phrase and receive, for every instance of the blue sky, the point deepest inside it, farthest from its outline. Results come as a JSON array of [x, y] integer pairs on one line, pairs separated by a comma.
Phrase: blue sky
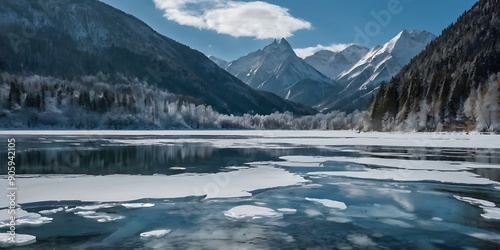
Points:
[[232, 28]]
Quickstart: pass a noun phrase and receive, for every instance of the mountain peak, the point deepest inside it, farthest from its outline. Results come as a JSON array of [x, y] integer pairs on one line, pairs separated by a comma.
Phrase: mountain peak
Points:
[[284, 42], [282, 46]]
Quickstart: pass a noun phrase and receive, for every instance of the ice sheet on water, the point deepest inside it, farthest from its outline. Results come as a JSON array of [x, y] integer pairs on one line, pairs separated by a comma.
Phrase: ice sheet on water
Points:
[[390, 163], [155, 233], [398, 223], [329, 203], [287, 210], [411, 175], [20, 240], [474, 201], [23, 218], [341, 220], [137, 205], [91, 207], [177, 168], [252, 212], [361, 240], [119, 188], [51, 211], [100, 217], [492, 213]]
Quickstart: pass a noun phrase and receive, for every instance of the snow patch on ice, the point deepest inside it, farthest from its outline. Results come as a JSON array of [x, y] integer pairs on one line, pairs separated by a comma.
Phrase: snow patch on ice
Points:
[[20, 240], [329, 203], [252, 212], [156, 233]]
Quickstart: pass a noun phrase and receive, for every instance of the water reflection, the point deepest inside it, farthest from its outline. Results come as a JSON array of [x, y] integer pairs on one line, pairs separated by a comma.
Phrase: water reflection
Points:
[[73, 155]]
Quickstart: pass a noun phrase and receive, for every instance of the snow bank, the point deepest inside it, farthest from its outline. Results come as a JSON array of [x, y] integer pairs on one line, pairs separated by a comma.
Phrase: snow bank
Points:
[[251, 212], [21, 240], [329, 203]]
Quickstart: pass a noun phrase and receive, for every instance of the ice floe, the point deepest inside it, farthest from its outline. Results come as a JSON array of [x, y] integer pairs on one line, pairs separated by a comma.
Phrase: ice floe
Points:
[[20, 240], [51, 211], [361, 240], [177, 168], [100, 217], [252, 212], [287, 210], [91, 207], [329, 203], [398, 223], [341, 220], [390, 163], [474, 201], [23, 218], [156, 233], [123, 188], [491, 212], [411, 175], [137, 205]]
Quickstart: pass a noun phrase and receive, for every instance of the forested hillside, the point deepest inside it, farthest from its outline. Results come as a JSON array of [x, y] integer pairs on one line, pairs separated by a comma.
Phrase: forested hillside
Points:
[[452, 85]]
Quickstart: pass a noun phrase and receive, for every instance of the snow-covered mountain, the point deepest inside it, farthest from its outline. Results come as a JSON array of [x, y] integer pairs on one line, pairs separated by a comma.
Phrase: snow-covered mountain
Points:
[[379, 64], [385, 61], [332, 63], [277, 69]]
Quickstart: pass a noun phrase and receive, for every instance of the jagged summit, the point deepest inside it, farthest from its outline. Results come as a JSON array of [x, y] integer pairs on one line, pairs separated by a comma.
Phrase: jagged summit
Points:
[[277, 69]]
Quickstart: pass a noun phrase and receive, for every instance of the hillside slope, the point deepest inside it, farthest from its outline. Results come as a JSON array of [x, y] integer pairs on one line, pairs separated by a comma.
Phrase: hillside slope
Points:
[[453, 84]]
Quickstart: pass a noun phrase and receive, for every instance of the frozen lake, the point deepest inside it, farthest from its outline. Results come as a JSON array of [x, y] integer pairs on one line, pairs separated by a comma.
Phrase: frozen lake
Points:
[[254, 190]]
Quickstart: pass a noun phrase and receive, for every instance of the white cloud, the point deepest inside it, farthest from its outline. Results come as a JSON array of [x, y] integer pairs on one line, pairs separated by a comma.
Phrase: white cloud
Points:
[[305, 52], [239, 19]]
